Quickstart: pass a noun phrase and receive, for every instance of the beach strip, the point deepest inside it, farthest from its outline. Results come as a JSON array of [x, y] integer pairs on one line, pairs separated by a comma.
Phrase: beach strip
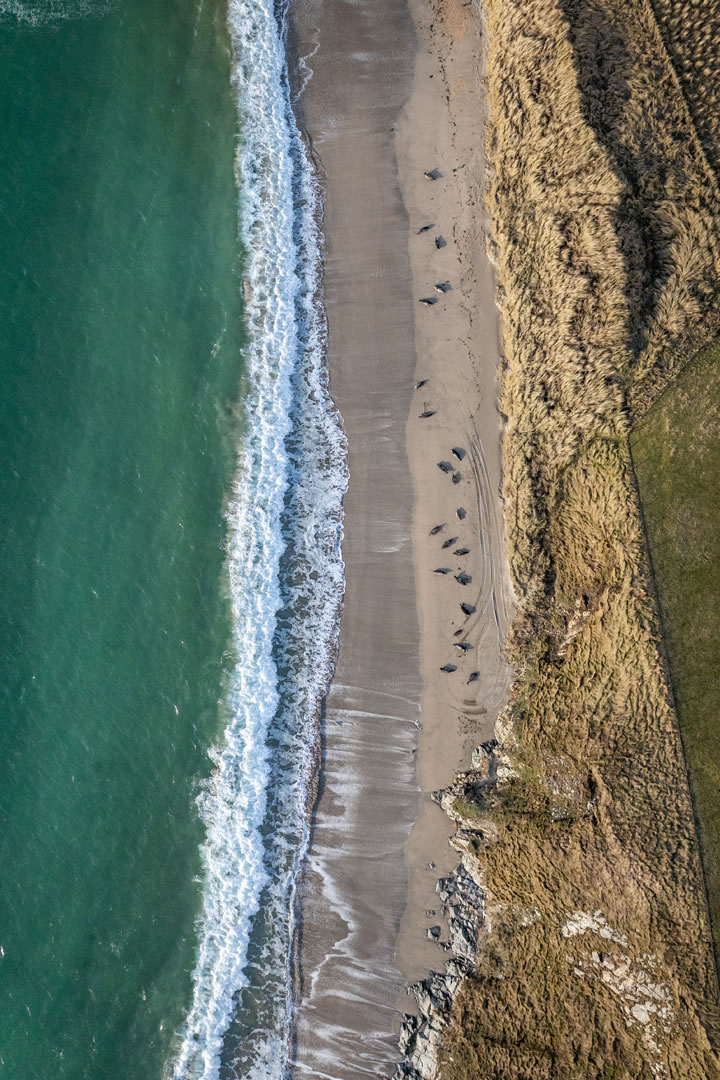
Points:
[[377, 109]]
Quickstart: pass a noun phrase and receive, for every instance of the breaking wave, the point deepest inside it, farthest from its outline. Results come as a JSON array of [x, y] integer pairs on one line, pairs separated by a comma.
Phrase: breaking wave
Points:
[[286, 581]]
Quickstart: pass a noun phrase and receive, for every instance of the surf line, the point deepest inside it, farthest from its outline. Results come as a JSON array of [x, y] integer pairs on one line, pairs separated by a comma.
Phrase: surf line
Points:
[[284, 556]]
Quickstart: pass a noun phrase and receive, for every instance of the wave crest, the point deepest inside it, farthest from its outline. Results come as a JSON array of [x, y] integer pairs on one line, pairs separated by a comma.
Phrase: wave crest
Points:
[[286, 582]]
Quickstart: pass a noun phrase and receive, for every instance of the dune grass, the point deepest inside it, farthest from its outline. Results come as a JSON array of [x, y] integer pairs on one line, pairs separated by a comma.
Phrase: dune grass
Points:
[[690, 31], [676, 453]]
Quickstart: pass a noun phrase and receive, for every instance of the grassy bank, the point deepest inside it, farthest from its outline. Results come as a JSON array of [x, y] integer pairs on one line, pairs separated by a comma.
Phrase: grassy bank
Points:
[[676, 452], [598, 960]]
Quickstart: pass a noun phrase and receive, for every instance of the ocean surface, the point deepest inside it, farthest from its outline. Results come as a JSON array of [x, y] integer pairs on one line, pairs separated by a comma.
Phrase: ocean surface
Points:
[[170, 499]]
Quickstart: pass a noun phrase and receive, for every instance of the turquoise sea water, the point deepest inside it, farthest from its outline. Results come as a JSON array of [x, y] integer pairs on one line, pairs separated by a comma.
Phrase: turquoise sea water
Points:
[[120, 366], [171, 494]]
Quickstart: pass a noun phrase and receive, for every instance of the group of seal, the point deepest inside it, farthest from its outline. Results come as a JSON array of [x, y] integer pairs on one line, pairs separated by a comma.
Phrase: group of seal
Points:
[[463, 578]]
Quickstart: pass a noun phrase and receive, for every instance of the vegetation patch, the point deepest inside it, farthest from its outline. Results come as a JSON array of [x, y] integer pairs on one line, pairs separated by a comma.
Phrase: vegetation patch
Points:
[[676, 452], [469, 810]]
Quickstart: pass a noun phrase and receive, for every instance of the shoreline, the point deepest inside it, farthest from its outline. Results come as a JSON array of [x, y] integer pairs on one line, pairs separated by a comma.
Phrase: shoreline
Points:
[[379, 843]]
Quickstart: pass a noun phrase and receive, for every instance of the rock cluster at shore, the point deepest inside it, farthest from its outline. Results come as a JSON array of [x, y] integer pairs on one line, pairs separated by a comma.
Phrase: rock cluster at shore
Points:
[[421, 1035], [462, 898]]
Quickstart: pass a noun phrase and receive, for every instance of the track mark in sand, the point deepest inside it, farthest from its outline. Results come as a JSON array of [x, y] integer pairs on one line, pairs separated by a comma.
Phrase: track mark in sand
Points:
[[487, 626]]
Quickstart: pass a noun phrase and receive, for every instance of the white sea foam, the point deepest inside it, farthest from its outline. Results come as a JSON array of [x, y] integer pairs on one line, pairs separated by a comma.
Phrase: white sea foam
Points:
[[48, 12], [286, 580]]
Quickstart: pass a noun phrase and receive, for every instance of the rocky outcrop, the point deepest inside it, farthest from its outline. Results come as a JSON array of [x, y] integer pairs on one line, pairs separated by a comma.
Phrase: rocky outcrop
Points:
[[462, 900], [421, 1035]]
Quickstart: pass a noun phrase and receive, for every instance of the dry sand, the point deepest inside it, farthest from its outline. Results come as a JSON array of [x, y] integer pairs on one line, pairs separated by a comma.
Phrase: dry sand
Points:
[[458, 345], [396, 727]]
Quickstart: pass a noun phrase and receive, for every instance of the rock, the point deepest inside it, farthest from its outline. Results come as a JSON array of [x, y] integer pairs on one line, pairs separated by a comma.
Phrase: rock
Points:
[[407, 1032], [463, 938], [481, 753], [463, 901]]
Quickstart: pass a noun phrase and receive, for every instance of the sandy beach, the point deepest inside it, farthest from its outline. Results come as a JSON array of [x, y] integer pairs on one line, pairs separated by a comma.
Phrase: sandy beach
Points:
[[388, 98], [458, 348]]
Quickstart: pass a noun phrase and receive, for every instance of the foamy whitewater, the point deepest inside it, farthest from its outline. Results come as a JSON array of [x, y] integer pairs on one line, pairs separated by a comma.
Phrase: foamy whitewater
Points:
[[286, 579]]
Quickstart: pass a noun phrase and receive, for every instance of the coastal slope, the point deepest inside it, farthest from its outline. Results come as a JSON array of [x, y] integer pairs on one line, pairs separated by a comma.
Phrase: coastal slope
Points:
[[596, 959]]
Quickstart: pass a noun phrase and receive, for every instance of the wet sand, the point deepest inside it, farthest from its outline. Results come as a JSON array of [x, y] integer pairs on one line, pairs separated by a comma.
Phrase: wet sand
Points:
[[395, 726]]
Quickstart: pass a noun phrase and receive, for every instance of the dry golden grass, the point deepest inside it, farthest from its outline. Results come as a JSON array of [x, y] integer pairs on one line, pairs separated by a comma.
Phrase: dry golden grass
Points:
[[605, 223], [691, 31], [606, 230]]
